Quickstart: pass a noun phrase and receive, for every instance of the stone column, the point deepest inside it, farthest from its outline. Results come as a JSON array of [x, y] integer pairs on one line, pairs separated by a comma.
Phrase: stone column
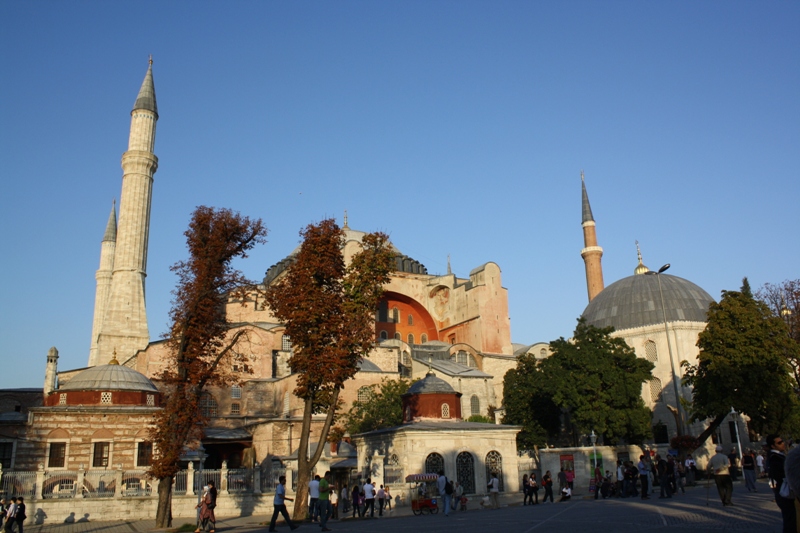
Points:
[[80, 481], [257, 479], [376, 469], [118, 483], [223, 478], [190, 480], [289, 479], [37, 495]]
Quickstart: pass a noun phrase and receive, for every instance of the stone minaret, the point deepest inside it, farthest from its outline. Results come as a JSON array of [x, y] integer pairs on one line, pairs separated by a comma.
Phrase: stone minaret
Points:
[[51, 371], [591, 252], [124, 329], [103, 277]]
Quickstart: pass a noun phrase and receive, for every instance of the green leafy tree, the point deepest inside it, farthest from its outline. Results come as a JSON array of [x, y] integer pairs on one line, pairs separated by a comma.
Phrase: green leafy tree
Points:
[[328, 310], [590, 382], [744, 364], [383, 409], [199, 342]]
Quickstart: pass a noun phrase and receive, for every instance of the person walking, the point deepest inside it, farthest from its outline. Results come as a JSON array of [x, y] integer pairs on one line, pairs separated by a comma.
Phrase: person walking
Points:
[[279, 504], [562, 480], [663, 478], [534, 486], [570, 473], [207, 518], [776, 471], [598, 481], [356, 507], [313, 494], [457, 494], [761, 465], [445, 491], [749, 470], [381, 500], [11, 513], [324, 501], [369, 498], [343, 501], [494, 491], [644, 475], [620, 480], [691, 470], [525, 489], [720, 467], [388, 498], [547, 481], [20, 516], [733, 458]]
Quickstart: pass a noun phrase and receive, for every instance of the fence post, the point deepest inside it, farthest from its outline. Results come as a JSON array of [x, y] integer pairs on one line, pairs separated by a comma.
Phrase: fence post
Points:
[[223, 477], [289, 479], [190, 479], [256, 479], [118, 482], [37, 493], [79, 482]]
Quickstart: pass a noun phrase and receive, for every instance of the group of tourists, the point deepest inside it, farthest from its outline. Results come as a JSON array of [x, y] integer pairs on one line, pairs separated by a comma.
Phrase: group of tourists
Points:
[[12, 514], [363, 498], [531, 487]]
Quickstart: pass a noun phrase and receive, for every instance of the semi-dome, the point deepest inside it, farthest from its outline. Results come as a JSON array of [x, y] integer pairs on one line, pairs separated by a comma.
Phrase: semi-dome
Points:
[[109, 378], [430, 385], [635, 301]]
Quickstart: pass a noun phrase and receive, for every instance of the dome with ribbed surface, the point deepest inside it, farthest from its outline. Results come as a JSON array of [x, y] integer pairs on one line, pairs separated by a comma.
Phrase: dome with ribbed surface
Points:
[[635, 301], [109, 378], [430, 385]]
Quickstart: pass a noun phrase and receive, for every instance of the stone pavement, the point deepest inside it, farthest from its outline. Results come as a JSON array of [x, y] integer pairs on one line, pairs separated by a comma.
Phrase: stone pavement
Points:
[[698, 510]]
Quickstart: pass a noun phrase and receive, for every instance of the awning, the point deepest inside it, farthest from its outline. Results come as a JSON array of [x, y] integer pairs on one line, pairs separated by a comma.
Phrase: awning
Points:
[[416, 478], [345, 464], [227, 435]]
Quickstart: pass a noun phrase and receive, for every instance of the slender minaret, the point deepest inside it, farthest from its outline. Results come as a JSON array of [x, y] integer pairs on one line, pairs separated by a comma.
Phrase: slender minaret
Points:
[[124, 328], [591, 253], [103, 277], [51, 371]]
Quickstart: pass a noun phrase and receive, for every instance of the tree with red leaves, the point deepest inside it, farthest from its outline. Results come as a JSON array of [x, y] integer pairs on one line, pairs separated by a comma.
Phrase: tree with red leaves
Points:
[[328, 309], [199, 341]]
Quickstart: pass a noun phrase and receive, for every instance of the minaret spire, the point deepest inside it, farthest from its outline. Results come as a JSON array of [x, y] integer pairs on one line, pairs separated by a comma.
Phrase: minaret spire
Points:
[[640, 268], [124, 324], [103, 281], [591, 252]]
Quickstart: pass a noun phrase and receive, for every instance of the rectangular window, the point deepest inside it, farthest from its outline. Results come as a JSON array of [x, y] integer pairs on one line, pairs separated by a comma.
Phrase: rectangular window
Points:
[[144, 453], [236, 392], [236, 409], [6, 453], [101, 453], [58, 455]]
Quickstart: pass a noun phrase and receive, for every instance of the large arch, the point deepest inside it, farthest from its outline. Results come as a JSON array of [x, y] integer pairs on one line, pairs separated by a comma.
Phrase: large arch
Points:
[[392, 317]]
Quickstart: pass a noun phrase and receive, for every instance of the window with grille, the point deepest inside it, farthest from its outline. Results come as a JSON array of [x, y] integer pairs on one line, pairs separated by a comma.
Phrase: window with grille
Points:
[[406, 359], [144, 453], [105, 398], [236, 392], [235, 409], [58, 455], [286, 343], [410, 320], [102, 451], [395, 315], [471, 362], [384, 335], [398, 336], [475, 405], [364, 394], [655, 390], [650, 352], [434, 463], [62, 398], [445, 410], [208, 406], [410, 338], [151, 400], [423, 339], [494, 464], [543, 352], [461, 357], [6, 454]]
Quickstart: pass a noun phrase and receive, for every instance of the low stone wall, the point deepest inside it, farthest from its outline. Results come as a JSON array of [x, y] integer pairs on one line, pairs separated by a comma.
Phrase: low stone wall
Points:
[[58, 511]]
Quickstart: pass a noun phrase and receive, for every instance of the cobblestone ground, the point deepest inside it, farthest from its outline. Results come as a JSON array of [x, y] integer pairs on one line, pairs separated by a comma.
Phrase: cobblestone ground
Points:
[[697, 510]]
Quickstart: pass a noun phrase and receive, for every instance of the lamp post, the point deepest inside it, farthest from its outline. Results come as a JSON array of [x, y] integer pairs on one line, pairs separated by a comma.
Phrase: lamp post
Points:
[[736, 428], [669, 348], [593, 439]]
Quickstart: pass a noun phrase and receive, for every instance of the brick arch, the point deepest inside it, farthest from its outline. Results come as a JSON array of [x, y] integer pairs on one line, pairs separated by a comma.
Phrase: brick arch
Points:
[[58, 434], [422, 324], [102, 434]]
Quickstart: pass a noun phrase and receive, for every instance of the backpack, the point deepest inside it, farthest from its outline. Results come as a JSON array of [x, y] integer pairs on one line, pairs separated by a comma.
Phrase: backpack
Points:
[[448, 487]]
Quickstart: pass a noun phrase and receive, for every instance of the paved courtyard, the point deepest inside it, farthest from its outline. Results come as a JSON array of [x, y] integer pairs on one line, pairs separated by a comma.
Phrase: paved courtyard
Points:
[[754, 512]]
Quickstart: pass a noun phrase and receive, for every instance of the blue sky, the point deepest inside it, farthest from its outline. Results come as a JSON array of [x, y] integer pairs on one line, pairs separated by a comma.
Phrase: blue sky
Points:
[[457, 127]]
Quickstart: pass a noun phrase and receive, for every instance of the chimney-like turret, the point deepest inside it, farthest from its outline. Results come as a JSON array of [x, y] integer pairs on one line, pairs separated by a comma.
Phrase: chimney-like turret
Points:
[[51, 371]]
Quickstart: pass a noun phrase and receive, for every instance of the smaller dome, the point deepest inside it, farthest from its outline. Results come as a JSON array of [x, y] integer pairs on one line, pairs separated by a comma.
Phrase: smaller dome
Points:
[[109, 377], [430, 385]]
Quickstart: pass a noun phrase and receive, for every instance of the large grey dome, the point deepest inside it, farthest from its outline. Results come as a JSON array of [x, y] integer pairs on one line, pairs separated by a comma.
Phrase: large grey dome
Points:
[[431, 384], [109, 377], [635, 301]]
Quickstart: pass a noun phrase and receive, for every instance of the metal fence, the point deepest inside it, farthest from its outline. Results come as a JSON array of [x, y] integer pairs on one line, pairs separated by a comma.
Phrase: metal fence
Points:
[[60, 484], [181, 480], [393, 475], [202, 478], [137, 483], [19, 484], [269, 479], [240, 480], [100, 483]]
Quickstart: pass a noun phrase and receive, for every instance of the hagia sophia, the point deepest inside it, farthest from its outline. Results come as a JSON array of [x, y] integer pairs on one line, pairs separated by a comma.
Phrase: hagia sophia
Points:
[[451, 332]]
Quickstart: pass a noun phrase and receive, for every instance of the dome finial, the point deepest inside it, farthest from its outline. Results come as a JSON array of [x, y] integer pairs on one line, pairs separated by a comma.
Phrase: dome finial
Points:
[[345, 220], [151, 59], [114, 358], [640, 268]]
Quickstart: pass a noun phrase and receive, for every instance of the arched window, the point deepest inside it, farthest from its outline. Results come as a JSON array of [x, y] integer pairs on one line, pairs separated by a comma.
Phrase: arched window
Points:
[[445, 410], [398, 336], [650, 352], [465, 472], [655, 390], [494, 464], [392, 470], [471, 362], [475, 405], [410, 338], [406, 358], [208, 406], [543, 353], [461, 357], [384, 335], [434, 463], [410, 320], [395, 315], [365, 394], [286, 343], [423, 339]]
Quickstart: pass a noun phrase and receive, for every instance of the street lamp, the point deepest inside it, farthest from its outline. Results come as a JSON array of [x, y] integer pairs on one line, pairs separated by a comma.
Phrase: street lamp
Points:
[[669, 347], [593, 439], [736, 428]]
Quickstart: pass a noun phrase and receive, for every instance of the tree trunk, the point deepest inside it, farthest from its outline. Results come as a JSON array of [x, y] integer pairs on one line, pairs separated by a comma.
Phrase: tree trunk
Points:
[[164, 510], [711, 428]]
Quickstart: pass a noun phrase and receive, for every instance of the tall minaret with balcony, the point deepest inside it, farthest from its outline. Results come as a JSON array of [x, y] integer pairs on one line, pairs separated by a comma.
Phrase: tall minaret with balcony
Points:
[[591, 252], [103, 277], [124, 325]]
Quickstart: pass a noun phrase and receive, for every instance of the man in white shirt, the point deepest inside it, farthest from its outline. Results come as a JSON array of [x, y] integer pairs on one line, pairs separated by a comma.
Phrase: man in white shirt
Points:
[[313, 493], [760, 464], [494, 491], [369, 498], [690, 468], [720, 466], [441, 484]]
